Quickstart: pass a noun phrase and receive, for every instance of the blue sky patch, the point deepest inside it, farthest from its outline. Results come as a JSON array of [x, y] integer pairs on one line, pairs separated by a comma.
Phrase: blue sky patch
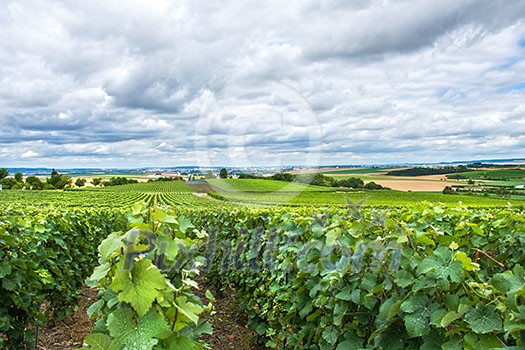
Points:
[[522, 43], [519, 86]]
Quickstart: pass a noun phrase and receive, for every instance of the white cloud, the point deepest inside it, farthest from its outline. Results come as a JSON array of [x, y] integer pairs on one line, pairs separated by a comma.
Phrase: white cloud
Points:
[[29, 154], [383, 81]]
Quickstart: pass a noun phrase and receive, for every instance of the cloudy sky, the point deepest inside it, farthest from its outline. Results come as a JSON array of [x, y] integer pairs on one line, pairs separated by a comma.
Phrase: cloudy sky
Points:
[[166, 83]]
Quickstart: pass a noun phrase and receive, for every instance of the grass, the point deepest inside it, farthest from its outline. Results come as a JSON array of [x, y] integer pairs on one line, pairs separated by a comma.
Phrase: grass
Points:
[[355, 171], [369, 198], [261, 185], [271, 192], [508, 174], [505, 183]]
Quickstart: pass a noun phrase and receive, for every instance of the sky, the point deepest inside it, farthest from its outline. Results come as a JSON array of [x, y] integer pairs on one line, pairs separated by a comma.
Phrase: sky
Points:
[[237, 83]]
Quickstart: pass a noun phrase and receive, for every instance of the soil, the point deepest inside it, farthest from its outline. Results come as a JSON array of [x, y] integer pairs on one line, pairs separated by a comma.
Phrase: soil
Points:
[[68, 333], [203, 187], [202, 195], [415, 185], [229, 326]]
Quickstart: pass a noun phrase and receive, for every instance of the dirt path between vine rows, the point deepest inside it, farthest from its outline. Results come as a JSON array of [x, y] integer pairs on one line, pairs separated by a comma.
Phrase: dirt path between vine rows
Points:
[[229, 327]]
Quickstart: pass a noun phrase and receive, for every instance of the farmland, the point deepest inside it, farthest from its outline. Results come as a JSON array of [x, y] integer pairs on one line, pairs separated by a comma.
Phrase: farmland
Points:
[[269, 192], [493, 174], [258, 185], [431, 183], [343, 268]]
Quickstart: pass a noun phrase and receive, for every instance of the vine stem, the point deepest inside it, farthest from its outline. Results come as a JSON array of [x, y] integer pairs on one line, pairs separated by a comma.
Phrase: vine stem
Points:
[[390, 279], [488, 256], [175, 318]]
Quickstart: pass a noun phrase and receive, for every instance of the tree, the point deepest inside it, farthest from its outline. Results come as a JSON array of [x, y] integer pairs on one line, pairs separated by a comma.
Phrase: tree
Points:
[[8, 183], [118, 181], [96, 181], [374, 186], [59, 181], [3, 173], [316, 179], [80, 182], [209, 175], [353, 182], [34, 183], [283, 177], [19, 177], [223, 174], [448, 190]]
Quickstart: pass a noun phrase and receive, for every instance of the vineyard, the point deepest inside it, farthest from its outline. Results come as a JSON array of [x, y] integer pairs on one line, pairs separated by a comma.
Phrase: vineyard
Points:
[[324, 272], [166, 193]]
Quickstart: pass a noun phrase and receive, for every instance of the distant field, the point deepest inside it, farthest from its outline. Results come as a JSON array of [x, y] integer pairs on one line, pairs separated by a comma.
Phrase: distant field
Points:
[[355, 171], [505, 183], [270, 192], [370, 198], [430, 183], [261, 185], [497, 174]]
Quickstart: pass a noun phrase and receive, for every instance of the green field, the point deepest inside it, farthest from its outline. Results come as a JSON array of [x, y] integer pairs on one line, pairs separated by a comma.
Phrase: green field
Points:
[[355, 171], [368, 198], [261, 185], [312, 267], [270, 192], [496, 174]]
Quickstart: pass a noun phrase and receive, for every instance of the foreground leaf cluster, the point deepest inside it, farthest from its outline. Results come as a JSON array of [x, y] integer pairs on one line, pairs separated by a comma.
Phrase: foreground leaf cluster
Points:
[[45, 257], [145, 278], [424, 277]]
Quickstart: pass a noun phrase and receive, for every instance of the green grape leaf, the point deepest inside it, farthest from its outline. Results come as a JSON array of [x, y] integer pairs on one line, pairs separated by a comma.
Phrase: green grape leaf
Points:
[[453, 343], [95, 307], [483, 319], [331, 237], [434, 340], [140, 286], [5, 269], [451, 316], [466, 262], [137, 208], [442, 268], [183, 343], [168, 247], [352, 342], [141, 335], [185, 224], [416, 325], [330, 334], [418, 309], [188, 309], [414, 303], [110, 245], [98, 273], [345, 294], [97, 341], [473, 341], [436, 317]]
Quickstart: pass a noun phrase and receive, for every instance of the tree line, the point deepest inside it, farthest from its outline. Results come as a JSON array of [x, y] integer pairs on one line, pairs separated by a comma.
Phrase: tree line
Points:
[[56, 181], [318, 180]]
